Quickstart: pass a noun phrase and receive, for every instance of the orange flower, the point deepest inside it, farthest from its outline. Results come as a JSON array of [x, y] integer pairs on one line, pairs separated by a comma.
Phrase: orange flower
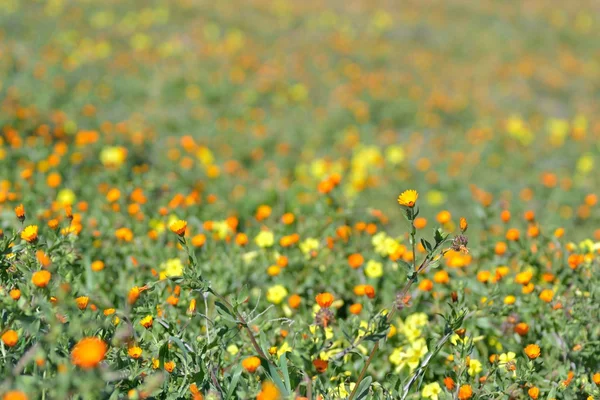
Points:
[[170, 366], [97, 266], [20, 212], [324, 299], [426, 285], [251, 364], [196, 395], [500, 248], [10, 338], [288, 218], [147, 321], [532, 351], [547, 295], [465, 392], [320, 365], [178, 227], [263, 212], [241, 239], [408, 198], [269, 392], [41, 278], [449, 383], [369, 291], [30, 233], [444, 217], [441, 277], [82, 302], [14, 395], [134, 352], [88, 352], [199, 240], [15, 294], [355, 260], [533, 392], [294, 301], [420, 222], [355, 308], [464, 225], [596, 378], [43, 258], [53, 224], [505, 216], [124, 234], [512, 235]]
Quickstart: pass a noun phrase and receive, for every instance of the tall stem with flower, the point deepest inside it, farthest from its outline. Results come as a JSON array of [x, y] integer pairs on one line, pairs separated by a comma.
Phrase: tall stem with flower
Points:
[[408, 200]]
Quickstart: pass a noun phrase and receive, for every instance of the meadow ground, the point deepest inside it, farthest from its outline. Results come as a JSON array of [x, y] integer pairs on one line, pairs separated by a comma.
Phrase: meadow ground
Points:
[[299, 199]]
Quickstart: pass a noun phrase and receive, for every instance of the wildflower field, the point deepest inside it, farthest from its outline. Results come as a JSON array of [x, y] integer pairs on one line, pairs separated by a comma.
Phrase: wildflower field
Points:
[[278, 199]]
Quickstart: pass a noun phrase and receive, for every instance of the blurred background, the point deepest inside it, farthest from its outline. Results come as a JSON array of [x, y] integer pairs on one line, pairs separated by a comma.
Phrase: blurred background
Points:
[[481, 106]]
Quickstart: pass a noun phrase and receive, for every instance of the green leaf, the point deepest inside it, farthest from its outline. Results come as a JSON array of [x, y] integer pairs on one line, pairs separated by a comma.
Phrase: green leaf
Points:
[[363, 388], [236, 374], [284, 371]]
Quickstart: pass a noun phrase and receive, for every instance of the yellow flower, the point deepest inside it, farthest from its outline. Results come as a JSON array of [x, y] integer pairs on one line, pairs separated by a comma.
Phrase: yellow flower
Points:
[[374, 269], [408, 198], [65, 197], [232, 349], [30, 233], [394, 155], [505, 358], [431, 391], [264, 239], [309, 245], [474, 367], [113, 156], [276, 294], [172, 268]]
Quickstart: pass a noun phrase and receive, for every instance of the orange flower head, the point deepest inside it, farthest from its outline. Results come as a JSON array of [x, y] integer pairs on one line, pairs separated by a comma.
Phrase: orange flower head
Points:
[[464, 225], [370, 291], [449, 383], [14, 395], [41, 278], [444, 217], [20, 212], [408, 198], [134, 352], [10, 338], [546, 295], [355, 260], [533, 351], [251, 364], [324, 299], [170, 366], [513, 235], [88, 352], [147, 321], [269, 391], [294, 301], [465, 392], [30, 233], [263, 212], [320, 365], [82, 302], [533, 392], [178, 227], [355, 308], [15, 294]]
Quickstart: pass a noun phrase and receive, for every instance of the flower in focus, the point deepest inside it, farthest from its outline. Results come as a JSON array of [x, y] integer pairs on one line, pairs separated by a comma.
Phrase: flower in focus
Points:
[[88, 352], [178, 227], [30, 233], [532, 351], [408, 198], [324, 299]]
